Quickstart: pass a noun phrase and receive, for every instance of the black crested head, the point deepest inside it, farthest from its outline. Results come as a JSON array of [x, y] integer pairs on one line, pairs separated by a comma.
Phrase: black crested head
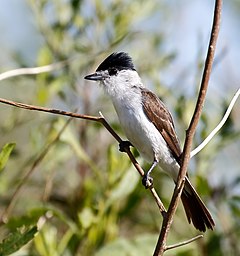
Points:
[[116, 61]]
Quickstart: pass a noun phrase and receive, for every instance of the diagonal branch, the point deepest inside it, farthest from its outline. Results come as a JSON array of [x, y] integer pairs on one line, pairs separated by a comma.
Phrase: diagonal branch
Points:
[[99, 119], [169, 247], [161, 244]]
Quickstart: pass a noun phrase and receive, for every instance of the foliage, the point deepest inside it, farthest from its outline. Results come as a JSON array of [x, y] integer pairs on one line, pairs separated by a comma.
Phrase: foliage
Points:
[[16, 240], [5, 153], [84, 196]]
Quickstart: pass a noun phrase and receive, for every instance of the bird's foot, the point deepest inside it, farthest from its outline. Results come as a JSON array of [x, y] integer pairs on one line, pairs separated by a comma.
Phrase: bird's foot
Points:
[[123, 145], [147, 181]]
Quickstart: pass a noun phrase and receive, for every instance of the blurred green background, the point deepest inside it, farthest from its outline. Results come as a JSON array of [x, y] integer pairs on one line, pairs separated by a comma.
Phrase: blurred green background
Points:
[[84, 195]]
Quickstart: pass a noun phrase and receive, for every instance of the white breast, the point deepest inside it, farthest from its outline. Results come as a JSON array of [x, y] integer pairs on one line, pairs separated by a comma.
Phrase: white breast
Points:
[[142, 133]]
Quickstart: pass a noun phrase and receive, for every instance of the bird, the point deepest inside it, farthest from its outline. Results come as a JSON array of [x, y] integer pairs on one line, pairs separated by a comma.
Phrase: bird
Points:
[[149, 127]]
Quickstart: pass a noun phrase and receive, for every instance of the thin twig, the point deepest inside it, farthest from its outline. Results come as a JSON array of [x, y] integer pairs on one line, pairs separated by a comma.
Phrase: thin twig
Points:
[[33, 70], [161, 244], [169, 247], [49, 110], [99, 119], [218, 127]]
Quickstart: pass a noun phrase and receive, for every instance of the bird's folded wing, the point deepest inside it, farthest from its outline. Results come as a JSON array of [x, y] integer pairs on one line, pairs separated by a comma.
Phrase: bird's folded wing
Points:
[[159, 115]]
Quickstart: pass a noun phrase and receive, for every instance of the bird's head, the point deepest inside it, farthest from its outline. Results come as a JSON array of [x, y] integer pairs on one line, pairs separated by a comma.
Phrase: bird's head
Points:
[[116, 72]]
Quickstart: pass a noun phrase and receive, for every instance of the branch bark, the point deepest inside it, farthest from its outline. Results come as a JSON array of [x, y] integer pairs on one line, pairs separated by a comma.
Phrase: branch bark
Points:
[[99, 119], [161, 244], [169, 247], [168, 216]]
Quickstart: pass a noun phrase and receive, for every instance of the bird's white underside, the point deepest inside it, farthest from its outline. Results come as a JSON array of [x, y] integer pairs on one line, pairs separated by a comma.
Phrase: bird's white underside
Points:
[[124, 90]]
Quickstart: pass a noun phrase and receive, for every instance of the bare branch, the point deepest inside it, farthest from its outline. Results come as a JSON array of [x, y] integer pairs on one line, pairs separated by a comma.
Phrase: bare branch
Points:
[[49, 110], [218, 127], [161, 244], [183, 243], [99, 119], [33, 71]]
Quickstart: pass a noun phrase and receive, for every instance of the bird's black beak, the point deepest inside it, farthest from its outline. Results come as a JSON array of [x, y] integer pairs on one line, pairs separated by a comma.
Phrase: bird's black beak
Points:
[[94, 77]]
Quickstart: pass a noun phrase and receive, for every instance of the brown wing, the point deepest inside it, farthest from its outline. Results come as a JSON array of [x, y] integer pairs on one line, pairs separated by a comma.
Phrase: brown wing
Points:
[[158, 114]]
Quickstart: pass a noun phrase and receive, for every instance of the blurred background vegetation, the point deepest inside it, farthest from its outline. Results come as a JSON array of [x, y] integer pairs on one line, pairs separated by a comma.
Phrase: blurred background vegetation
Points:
[[84, 195]]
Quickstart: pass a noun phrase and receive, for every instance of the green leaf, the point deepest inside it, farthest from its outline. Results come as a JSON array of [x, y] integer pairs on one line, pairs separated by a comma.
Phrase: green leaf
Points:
[[16, 241], [5, 153]]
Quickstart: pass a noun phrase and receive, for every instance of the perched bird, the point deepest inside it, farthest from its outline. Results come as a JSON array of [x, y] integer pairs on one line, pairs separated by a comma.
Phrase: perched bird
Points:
[[149, 127]]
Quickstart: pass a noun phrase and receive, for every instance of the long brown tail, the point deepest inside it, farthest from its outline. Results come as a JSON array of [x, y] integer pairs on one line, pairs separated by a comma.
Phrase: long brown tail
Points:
[[195, 209]]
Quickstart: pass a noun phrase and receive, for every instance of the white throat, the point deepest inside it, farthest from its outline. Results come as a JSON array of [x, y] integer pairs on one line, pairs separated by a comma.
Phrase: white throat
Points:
[[121, 85]]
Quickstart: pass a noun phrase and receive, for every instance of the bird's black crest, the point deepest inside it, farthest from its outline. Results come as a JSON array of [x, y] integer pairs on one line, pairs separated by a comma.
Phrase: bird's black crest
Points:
[[117, 60]]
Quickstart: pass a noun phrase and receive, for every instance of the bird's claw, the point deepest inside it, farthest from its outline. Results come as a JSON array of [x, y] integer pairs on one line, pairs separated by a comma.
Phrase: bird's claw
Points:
[[123, 145], [147, 181]]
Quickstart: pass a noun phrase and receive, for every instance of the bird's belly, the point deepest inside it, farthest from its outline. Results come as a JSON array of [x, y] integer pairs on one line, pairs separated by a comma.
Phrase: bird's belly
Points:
[[145, 137], [151, 145], [141, 139]]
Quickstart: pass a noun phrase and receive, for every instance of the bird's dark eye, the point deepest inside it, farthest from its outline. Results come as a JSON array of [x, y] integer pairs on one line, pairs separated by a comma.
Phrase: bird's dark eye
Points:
[[112, 71]]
